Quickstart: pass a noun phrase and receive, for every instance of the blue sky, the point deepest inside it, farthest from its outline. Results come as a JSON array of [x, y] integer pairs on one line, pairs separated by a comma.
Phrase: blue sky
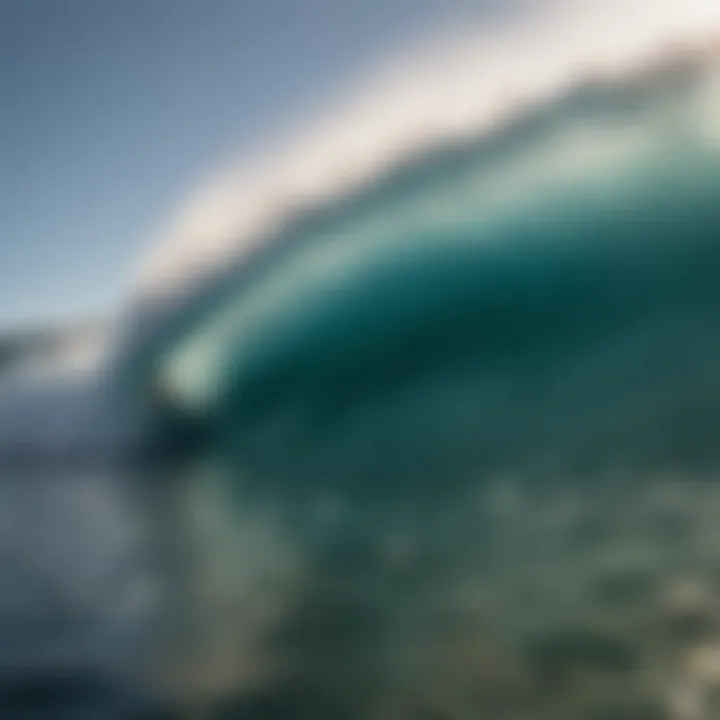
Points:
[[112, 112]]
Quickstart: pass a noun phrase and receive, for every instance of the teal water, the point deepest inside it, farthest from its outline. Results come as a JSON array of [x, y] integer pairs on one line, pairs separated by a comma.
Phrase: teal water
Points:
[[460, 428], [542, 296]]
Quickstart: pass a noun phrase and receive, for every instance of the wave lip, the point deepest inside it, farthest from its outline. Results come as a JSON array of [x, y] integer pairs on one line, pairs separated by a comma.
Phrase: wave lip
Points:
[[449, 90]]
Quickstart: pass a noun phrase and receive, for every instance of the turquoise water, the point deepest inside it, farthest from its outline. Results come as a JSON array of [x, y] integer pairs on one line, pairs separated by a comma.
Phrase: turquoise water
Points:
[[542, 295], [460, 428]]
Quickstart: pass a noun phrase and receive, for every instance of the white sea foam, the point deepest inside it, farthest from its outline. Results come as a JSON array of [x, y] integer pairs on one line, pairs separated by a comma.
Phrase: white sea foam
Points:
[[458, 84]]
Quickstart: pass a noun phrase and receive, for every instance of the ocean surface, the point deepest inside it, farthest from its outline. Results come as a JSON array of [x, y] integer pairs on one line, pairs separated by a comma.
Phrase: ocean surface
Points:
[[459, 434], [462, 422]]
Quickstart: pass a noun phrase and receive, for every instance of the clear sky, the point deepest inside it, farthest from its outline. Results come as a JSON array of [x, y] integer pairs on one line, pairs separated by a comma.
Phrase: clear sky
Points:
[[112, 111]]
